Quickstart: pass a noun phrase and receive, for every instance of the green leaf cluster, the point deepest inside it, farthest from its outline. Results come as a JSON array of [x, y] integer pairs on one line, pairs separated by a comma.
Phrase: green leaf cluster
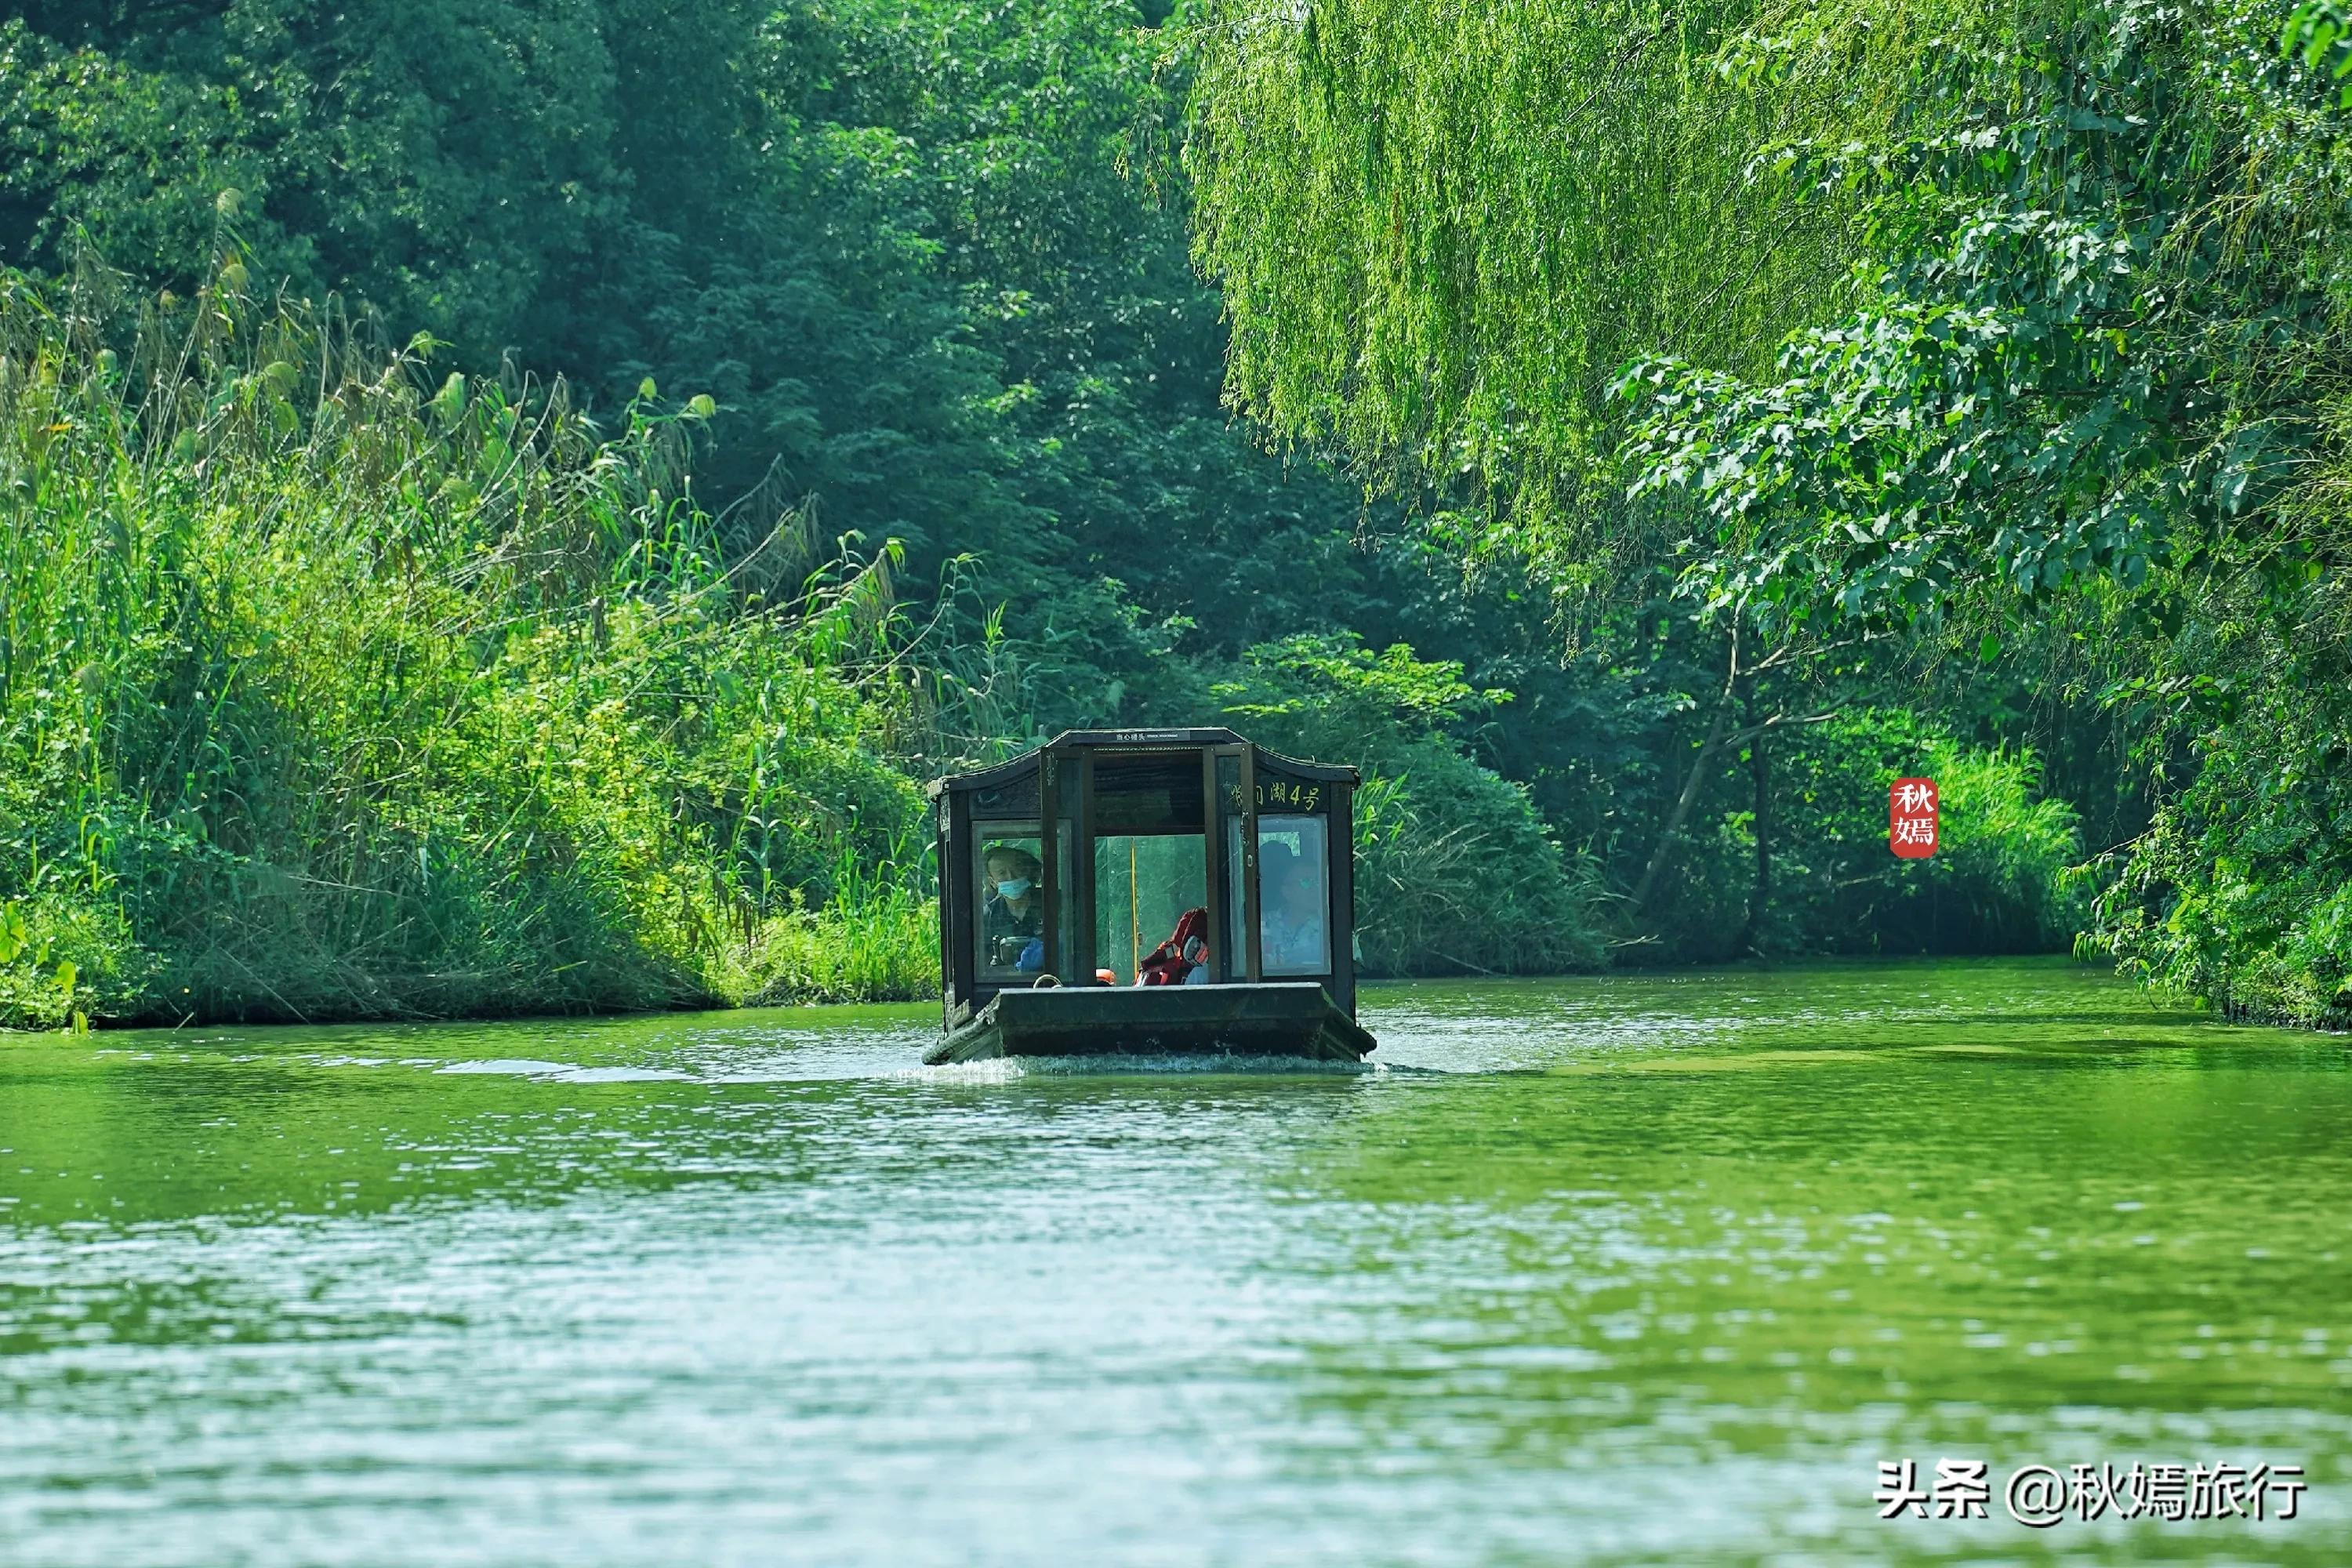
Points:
[[1933, 331]]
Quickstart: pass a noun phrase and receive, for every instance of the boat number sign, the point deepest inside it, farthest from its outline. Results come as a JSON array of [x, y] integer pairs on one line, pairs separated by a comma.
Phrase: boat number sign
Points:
[[1287, 794]]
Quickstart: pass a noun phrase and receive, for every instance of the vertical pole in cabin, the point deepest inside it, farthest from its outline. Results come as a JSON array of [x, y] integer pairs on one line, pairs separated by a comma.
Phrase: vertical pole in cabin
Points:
[[1049, 781], [1134, 915], [1082, 932], [1253, 938], [1212, 835]]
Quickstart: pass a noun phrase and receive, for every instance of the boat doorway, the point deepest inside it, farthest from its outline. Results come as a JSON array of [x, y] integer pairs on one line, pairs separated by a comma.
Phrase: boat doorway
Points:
[[1144, 884]]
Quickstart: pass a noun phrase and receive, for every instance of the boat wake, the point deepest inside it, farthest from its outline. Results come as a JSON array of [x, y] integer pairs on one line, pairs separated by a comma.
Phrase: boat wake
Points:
[[1223, 1064]]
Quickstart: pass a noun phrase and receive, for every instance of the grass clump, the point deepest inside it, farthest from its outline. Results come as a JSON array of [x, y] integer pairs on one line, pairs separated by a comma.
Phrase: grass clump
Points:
[[332, 689]]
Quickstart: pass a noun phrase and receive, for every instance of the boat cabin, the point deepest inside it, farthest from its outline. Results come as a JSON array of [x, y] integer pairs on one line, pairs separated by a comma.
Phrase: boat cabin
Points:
[[1109, 857]]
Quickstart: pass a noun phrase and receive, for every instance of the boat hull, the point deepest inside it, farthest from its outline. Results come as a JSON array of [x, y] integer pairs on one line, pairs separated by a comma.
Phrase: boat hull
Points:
[[1270, 1019]]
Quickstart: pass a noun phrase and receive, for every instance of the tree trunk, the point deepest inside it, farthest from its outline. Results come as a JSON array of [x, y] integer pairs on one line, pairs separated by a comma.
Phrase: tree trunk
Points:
[[1691, 787], [1760, 773]]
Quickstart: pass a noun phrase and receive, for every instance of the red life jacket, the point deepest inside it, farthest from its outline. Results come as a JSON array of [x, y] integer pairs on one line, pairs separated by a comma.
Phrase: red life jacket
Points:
[[1173, 961]]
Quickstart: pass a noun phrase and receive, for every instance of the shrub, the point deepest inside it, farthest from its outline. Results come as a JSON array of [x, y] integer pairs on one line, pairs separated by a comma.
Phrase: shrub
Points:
[[330, 690], [1456, 870], [2240, 891]]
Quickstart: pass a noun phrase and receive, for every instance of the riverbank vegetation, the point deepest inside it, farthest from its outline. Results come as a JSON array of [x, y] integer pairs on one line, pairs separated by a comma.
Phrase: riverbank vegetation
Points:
[[499, 510], [330, 690], [2011, 336]]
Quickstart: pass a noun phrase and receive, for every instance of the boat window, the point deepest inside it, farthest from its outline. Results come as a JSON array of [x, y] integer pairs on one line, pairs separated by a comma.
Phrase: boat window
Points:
[[1143, 886], [1009, 875], [1294, 880]]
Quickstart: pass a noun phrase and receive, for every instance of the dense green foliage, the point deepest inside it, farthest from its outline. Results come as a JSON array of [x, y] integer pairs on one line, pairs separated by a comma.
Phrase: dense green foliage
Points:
[[820, 396], [327, 693], [1454, 868], [1442, 230], [2059, 295]]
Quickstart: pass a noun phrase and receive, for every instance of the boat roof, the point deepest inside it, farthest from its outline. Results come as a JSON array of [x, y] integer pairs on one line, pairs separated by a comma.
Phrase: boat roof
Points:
[[1135, 741]]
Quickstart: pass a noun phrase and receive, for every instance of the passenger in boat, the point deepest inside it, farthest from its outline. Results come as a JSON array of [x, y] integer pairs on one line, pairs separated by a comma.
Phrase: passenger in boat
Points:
[[1013, 910], [1290, 934], [1183, 958]]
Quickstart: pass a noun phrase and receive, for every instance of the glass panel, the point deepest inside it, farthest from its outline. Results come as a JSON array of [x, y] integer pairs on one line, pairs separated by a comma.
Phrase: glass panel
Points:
[[1294, 873], [1143, 887], [1008, 870]]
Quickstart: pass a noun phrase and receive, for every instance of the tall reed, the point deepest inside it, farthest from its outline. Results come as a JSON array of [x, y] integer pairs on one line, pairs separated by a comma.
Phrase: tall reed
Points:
[[333, 686]]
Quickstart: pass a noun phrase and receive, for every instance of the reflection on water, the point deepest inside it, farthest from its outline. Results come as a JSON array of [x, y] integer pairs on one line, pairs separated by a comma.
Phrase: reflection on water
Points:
[[1619, 1270]]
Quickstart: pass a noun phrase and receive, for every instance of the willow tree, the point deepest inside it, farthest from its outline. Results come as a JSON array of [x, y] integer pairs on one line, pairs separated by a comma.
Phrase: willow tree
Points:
[[1442, 230], [1938, 311]]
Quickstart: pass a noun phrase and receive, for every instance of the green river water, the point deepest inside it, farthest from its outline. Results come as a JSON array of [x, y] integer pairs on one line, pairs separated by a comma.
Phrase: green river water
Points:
[[1623, 1269]]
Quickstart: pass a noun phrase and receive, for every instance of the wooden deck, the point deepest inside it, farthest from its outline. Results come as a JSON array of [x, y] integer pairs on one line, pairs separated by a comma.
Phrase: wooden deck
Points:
[[1271, 1019]]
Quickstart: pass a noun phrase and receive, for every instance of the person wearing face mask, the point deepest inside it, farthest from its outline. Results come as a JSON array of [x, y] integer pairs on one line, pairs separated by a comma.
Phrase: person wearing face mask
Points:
[[1011, 912]]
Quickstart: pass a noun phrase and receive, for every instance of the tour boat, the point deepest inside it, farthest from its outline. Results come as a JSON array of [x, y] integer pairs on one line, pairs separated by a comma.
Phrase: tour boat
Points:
[[1148, 892]]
